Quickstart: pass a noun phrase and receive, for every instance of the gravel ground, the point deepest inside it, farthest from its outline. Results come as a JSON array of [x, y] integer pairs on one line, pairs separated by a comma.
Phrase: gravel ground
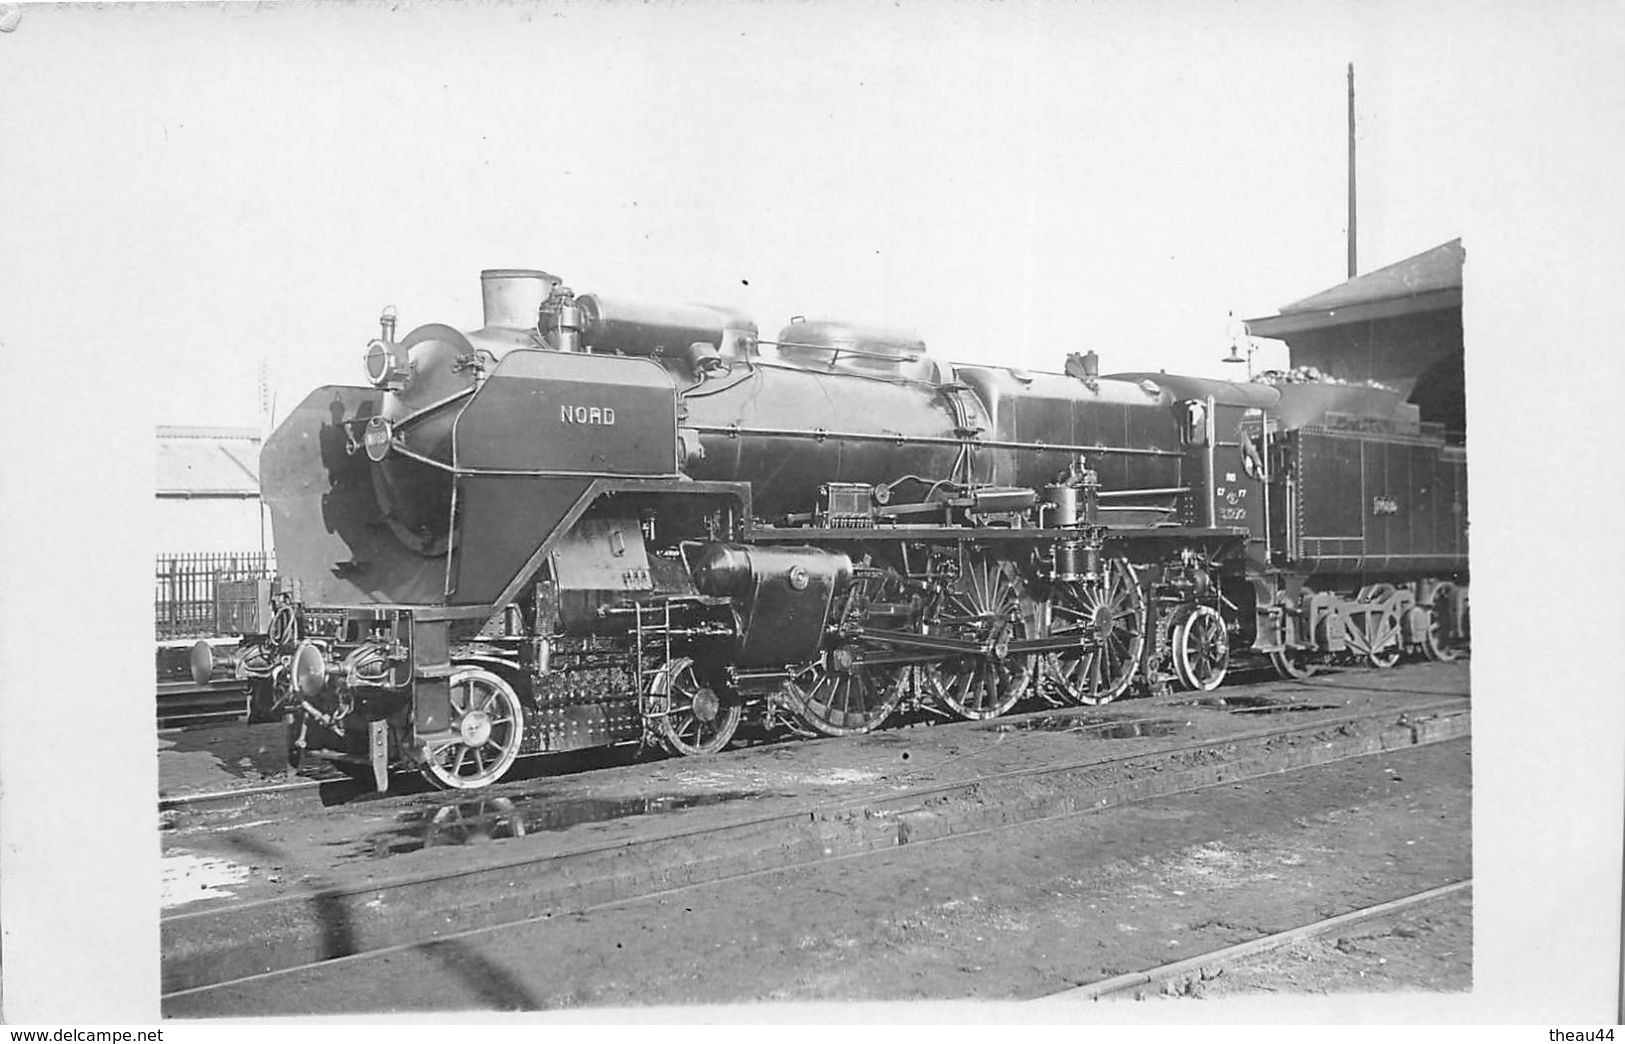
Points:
[[1008, 914]]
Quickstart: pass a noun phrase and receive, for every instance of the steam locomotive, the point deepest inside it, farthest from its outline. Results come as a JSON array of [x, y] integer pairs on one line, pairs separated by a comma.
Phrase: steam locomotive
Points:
[[593, 521]]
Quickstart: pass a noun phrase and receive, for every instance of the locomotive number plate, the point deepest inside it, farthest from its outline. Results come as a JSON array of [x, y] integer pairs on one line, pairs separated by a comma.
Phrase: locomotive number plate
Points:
[[603, 416]]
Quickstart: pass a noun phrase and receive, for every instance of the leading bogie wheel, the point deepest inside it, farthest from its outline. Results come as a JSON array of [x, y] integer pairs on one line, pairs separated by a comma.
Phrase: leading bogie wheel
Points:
[[699, 718], [489, 724], [1201, 648]]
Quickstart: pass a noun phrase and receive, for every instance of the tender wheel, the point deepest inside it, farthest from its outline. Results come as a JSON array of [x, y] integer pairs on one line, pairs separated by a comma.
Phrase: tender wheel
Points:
[[1373, 627], [1296, 664], [1201, 648], [984, 606], [698, 718], [490, 723], [1114, 615], [1292, 663], [841, 695], [1386, 656], [1434, 644]]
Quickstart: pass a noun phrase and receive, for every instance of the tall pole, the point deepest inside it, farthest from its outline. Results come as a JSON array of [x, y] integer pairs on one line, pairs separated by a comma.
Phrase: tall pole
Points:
[[1354, 266]]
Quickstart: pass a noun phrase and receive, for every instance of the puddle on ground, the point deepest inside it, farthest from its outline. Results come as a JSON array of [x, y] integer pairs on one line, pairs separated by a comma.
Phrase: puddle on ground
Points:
[[1244, 703], [187, 878], [500, 818], [1096, 728]]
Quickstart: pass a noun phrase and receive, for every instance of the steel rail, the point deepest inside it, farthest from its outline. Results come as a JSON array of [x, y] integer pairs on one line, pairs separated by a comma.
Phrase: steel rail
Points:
[[182, 801], [892, 797], [179, 702], [1252, 947]]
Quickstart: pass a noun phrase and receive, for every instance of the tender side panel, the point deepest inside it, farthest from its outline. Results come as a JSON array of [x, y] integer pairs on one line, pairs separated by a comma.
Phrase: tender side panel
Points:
[[329, 533], [1450, 502], [1378, 504]]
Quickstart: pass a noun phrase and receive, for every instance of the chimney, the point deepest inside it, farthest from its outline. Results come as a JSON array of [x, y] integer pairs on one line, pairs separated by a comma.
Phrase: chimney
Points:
[[514, 296]]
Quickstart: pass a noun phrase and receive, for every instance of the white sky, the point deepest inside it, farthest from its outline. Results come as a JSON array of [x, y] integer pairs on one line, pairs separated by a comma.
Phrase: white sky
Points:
[[1016, 181], [186, 190]]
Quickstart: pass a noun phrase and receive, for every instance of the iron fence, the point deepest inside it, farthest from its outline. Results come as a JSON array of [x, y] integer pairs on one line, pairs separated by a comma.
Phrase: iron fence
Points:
[[183, 601]]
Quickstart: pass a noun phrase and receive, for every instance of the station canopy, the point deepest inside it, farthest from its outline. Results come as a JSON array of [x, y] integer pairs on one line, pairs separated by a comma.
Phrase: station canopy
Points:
[[208, 462]]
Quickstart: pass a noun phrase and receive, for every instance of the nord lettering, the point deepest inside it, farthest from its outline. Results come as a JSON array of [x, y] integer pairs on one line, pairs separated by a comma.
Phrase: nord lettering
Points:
[[600, 415]]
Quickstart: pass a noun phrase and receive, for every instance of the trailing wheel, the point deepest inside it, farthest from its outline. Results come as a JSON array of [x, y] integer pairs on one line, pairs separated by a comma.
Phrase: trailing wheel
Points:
[[841, 695], [1201, 648], [1110, 620], [985, 606], [699, 719], [489, 724]]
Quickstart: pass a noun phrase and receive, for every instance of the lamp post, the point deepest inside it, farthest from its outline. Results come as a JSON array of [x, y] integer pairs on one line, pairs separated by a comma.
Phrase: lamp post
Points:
[[1240, 343]]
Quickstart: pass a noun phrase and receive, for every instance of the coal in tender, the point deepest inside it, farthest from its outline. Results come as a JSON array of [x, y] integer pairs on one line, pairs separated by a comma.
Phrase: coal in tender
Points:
[[502, 818]]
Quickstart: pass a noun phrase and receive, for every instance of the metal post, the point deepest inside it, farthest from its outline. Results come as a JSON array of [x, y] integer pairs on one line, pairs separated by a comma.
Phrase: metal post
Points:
[[1354, 266]]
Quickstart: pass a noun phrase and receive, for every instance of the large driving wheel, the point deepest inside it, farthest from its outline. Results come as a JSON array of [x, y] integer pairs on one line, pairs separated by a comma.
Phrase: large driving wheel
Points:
[[699, 719], [489, 724], [1110, 619], [841, 695], [985, 606], [1201, 648]]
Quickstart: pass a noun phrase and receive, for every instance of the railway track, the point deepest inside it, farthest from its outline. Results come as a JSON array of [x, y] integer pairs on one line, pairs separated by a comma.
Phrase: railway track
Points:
[[334, 919], [1214, 962], [1238, 697], [183, 703]]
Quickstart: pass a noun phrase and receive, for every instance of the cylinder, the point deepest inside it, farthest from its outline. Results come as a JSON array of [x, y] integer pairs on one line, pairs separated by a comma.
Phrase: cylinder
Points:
[[783, 596], [1071, 561], [512, 297]]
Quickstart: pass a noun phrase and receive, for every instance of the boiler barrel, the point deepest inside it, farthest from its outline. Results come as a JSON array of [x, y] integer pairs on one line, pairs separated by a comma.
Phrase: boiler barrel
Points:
[[788, 432]]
